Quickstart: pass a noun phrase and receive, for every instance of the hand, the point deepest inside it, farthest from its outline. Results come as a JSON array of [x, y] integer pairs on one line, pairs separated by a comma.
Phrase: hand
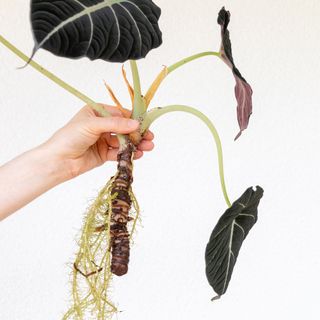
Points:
[[88, 140]]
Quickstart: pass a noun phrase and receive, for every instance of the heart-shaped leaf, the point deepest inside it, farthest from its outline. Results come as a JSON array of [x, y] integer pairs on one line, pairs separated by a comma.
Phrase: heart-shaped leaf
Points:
[[227, 237], [111, 30]]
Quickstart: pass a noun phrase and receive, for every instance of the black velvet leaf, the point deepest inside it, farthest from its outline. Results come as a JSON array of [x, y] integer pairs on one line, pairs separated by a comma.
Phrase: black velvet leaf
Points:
[[111, 30], [227, 237]]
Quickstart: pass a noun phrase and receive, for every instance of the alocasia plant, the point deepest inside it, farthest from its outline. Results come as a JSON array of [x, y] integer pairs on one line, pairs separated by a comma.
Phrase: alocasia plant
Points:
[[116, 31]]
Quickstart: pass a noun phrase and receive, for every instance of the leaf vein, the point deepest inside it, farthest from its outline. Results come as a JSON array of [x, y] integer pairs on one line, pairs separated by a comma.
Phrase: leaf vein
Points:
[[134, 22], [229, 257]]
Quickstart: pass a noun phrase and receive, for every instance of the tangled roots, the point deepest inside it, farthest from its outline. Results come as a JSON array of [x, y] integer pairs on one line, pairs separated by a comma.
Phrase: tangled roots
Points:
[[91, 276]]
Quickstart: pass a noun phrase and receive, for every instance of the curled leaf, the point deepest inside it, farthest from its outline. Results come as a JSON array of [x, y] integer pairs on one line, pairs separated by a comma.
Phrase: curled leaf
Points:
[[243, 91], [227, 237], [155, 86], [111, 30]]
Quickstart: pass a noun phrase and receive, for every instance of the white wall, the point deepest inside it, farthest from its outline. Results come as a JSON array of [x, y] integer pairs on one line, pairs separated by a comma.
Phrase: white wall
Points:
[[276, 46]]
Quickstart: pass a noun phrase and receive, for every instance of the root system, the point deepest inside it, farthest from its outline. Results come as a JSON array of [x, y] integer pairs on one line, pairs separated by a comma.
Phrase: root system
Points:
[[91, 275]]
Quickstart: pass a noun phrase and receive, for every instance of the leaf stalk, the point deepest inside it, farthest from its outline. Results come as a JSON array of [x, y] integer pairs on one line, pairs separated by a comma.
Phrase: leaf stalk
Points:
[[139, 107], [184, 61], [54, 78], [99, 108], [156, 113], [167, 70]]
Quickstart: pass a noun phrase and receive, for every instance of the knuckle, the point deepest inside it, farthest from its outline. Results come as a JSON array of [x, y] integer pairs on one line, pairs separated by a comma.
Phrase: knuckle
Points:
[[116, 123]]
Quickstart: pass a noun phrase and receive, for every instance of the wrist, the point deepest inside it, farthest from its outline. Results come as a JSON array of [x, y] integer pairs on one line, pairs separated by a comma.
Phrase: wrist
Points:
[[26, 177], [51, 165]]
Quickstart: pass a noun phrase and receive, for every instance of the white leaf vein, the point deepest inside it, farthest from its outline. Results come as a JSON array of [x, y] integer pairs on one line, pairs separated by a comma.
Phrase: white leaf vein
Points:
[[229, 257], [91, 24], [238, 225], [86, 11], [142, 13], [247, 215], [118, 28], [134, 22]]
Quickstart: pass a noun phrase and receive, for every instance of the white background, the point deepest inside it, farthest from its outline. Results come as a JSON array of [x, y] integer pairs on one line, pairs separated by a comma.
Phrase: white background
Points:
[[276, 47]]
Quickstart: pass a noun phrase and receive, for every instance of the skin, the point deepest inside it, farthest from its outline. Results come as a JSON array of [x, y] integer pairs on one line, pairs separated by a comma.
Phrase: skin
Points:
[[84, 143]]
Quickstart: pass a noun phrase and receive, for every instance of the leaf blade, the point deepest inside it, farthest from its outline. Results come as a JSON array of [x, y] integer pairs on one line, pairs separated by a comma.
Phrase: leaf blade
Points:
[[111, 30], [227, 237], [243, 90]]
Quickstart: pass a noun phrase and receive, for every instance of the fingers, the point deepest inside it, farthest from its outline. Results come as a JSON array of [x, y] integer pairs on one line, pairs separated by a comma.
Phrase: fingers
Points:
[[145, 144], [113, 125], [114, 111], [99, 125], [87, 112], [138, 154], [112, 140], [148, 135]]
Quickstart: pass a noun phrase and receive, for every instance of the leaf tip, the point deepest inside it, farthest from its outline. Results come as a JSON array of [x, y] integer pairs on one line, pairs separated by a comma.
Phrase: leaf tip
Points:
[[238, 135], [223, 17], [259, 190], [216, 298]]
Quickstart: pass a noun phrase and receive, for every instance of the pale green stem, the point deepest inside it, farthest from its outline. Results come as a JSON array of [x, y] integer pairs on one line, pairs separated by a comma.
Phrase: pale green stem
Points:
[[102, 111], [158, 112], [181, 63], [191, 58], [55, 79], [139, 107]]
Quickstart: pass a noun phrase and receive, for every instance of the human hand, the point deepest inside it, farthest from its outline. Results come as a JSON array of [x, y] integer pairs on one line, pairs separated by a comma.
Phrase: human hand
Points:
[[88, 141]]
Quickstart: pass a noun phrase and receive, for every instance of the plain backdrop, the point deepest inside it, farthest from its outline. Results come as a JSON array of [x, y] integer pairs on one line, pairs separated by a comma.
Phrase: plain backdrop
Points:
[[276, 47]]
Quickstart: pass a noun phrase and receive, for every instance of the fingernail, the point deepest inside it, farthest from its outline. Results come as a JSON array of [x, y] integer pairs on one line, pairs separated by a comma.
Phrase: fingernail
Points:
[[133, 123]]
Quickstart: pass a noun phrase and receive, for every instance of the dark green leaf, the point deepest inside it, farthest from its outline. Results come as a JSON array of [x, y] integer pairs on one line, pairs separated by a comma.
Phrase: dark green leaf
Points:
[[227, 237], [111, 30]]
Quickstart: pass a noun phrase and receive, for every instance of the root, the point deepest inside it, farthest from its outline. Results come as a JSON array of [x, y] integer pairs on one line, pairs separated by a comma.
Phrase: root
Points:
[[91, 275]]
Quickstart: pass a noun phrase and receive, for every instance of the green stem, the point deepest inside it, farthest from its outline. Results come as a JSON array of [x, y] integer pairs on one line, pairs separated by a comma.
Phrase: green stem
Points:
[[156, 84], [154, 114], [139, 107], [55, 79], [191, 58]]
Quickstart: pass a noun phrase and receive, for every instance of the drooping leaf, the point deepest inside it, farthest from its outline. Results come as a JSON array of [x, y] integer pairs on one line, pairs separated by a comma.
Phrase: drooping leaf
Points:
[[227, 237], [243, 90], [111, 30]]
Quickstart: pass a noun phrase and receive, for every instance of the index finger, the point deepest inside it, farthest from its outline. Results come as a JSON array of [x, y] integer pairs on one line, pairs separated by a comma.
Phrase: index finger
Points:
[[114, 111]]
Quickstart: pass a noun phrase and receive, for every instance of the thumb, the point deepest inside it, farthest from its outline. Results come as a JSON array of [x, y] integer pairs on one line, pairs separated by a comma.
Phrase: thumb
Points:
[[101, 125]]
